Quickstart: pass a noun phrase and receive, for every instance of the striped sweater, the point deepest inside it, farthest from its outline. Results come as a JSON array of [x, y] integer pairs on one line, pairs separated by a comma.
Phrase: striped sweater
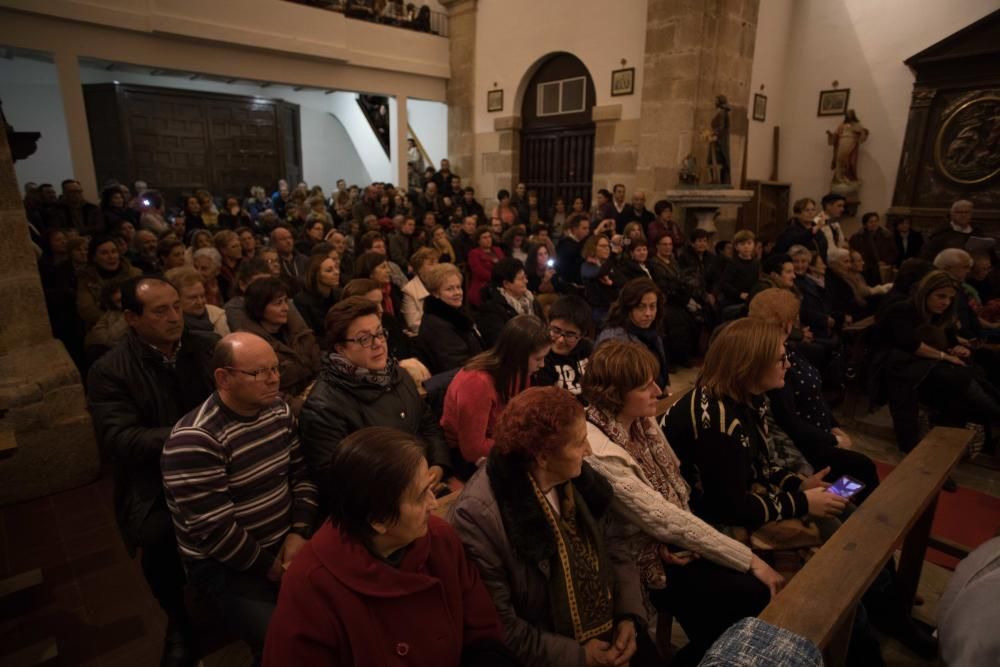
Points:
[[236, 486]]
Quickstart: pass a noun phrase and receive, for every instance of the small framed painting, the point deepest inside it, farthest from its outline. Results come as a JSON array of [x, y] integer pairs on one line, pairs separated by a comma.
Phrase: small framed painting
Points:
[[759, 107], [833, 102], [494, 100], [623, 82]]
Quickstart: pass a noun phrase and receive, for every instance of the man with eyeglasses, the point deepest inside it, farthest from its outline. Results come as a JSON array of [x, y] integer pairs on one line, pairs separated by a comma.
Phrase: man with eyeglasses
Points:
[[237, 486], [136, 393]]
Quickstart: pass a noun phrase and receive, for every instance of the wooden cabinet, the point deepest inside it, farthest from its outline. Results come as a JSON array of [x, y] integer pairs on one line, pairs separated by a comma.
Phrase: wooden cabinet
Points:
[[181, 140], [767, 213]]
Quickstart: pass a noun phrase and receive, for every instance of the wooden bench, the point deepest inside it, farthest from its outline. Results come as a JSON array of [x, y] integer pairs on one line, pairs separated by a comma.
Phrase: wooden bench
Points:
[[820, 601]]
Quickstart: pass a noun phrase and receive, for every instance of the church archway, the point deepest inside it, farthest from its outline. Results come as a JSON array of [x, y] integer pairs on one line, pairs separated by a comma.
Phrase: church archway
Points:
[[557, 132]]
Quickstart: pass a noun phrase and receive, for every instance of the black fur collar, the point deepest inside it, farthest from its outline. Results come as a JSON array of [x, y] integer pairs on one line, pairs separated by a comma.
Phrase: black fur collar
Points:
[[524, 522], [457, 317]]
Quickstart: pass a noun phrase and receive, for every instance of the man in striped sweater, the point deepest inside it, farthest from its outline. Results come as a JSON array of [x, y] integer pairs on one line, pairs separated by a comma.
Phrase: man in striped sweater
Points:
[[237, 487]]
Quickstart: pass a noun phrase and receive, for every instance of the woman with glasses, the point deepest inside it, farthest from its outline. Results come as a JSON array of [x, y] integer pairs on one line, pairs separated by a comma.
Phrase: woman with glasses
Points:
[[570, 322], [361, 384], [267, 307]]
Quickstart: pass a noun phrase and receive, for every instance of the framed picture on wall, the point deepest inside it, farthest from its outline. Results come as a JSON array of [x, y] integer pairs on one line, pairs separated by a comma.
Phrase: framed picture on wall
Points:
[[494, 100], [623, 81], [759, 107], [833, 102]]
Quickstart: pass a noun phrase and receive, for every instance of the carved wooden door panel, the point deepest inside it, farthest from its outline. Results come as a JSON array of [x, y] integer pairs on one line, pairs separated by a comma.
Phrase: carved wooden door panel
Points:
[[558, 163], [244, 145]]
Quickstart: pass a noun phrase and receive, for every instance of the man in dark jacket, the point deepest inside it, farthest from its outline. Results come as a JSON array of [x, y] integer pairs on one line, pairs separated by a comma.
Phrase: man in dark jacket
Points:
[[74, 212], [569, 252], [472, 207], [136, 393], [956, 233], [804, 233]]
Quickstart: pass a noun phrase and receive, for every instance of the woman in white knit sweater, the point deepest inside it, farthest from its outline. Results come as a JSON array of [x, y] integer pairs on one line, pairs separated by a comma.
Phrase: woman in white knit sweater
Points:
[[707, 580]]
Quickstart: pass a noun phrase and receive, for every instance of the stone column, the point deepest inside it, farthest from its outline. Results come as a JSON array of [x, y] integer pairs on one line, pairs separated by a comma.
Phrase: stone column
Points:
[[402, 133], [41, 399], [68, 71], [694, 51], [616, 148], [461, 89]]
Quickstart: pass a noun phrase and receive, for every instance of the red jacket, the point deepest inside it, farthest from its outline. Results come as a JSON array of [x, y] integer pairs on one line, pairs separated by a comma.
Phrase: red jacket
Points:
[[339, 605], [471, 409], [480, 271]]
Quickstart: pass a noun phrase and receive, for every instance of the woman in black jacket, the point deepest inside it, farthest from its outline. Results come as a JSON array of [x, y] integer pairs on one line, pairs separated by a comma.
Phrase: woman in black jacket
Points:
[[506, 297], [361, 385], [321, 291], [448, 337]]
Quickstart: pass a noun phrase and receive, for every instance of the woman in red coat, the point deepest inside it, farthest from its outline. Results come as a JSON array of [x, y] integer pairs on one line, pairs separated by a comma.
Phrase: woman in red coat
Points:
[[383, 581], [480, 262]]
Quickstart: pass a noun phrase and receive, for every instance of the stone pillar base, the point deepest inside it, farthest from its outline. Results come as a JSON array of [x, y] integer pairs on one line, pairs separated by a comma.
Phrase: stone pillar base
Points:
[[42, 404]]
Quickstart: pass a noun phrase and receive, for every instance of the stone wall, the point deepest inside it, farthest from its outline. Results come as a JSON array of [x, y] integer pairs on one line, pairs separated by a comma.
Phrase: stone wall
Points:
[[462, 85]]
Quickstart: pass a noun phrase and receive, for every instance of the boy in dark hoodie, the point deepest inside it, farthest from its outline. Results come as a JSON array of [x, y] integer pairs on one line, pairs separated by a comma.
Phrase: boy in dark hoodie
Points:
[[570, 320], [739, 277]]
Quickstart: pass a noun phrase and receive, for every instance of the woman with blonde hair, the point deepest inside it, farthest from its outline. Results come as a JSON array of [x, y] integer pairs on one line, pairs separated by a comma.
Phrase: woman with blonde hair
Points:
[[200, 317], [448, 336]]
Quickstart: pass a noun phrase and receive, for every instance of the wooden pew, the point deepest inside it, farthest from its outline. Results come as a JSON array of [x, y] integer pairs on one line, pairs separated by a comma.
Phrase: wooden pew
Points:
[[819, 602]]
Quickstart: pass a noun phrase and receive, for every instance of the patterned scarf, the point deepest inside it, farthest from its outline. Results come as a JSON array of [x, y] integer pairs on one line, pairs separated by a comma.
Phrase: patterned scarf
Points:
[[580, 588], [342, 366], [522, 306], [646, 444]]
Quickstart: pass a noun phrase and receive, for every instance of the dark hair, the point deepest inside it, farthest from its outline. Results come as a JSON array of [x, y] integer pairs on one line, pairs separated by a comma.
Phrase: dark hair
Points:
[[321, 248], [576, 220], [130, 292], [166, 246], [96, 242], [480, 230], [505, 270], [575, 310], [469, 190], [367, 263], [110, 192], [507, 362], [831, 198], [339, 317], [618, 185], [503, 194], [531, 265], [721, 245], [868, 216], [369, 472], [661, 206], [699, 233], [359, 287], [911, 272], [774, 263], [311, 281], [630, 297], [260, 293], [249, 268], [536, 422], [368, 239], [605, 193]]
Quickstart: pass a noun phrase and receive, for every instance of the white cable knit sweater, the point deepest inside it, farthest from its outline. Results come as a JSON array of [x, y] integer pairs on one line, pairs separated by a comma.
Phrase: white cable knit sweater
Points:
[[638, 502]]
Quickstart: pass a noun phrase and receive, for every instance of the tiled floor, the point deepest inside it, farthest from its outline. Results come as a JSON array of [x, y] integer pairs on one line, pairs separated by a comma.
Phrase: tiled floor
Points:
[[96, 605]]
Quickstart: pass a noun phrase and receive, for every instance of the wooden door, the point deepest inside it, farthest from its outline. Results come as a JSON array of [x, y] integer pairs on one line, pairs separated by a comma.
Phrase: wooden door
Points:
[[558, 162]]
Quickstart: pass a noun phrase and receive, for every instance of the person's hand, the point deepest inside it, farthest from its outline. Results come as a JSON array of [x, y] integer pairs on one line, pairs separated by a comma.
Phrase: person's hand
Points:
[[277, 569], [606, 280], [843, 440], [952, 359], [766, 575], [672, 559], [830, 322], [598, 653], [815, 481], [625, 644], [234, 210], [289, 548], [961, 352], [822, 503], [848, 319], [710, 298], [549, 273], [744, 295]]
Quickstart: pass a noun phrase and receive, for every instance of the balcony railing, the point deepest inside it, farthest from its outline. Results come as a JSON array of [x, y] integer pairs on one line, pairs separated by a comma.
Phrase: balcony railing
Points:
[[386, 12]]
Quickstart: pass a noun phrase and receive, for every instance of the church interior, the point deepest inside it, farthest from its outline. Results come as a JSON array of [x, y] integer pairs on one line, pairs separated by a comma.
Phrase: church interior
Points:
[[306, 305]]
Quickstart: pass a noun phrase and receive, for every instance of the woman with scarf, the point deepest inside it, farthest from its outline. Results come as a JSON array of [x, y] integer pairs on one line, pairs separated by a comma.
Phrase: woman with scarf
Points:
[[637, 316], [448, 337], [506, 297], [361, 385], [105, 265], [536, 521], [709, 591]]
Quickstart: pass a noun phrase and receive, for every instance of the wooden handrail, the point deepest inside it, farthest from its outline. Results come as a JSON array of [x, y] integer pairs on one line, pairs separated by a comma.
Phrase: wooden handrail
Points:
[[819, 602]]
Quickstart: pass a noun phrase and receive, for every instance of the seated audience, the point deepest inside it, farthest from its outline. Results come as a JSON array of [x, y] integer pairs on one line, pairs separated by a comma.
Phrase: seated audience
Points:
[[142, 253], [967, 614], [200, 318], [237, 487], [664, 225], [481, 260], [683, 314], [846, 289], [876, 245], [247, 241], [320, 290], [404, 242], [802, 230], [269, 316], [415, 292], [541, 271], [233, 216], [110, 328], [535, 520], [777, 271], [595, 272], [709, 591], [231, 252], [637, 316], [208, 262], [293, 263], [383, 577], [73, 212], [569, 252], [441, 243], [105, 265], [250, 270], [633, 264], [506, 297], [955, 233], [909, 242], [479, 392], [136, 393], [170, 254], [448, 336], [739, 276], [361, 384], [570, 324], [818, 311]]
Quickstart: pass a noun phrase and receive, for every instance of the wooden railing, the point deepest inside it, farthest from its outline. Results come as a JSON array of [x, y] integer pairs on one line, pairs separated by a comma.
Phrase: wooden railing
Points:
[[819, 602]]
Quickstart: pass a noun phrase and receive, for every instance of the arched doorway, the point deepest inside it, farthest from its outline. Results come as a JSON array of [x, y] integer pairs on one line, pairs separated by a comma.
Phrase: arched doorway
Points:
[[557, 133]]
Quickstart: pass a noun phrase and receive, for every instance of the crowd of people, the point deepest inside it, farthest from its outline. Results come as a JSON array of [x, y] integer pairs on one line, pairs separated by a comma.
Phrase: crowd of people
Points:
[[286, 383]]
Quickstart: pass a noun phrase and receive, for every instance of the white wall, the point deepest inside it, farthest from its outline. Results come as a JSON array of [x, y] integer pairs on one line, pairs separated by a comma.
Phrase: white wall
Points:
[[769, 59], [429, 121], [513, 35], [862, 45], [345, 107], [32, 103]]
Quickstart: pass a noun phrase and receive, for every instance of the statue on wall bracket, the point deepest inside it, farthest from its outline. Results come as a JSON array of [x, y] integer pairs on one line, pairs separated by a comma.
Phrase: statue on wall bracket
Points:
[[718, 144], [846, 141]]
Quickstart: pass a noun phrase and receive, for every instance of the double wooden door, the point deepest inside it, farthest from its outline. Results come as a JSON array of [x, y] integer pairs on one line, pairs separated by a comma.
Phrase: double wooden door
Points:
[[558, 162]]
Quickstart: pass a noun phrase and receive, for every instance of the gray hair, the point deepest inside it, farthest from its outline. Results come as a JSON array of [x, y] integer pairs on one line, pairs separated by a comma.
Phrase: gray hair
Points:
[[211, 253], [799, 250], [837, 255], [961, 202], [950, 258]]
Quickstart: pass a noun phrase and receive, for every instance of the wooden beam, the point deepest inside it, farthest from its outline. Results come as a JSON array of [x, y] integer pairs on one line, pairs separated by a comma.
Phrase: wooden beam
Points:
[[34, 654]]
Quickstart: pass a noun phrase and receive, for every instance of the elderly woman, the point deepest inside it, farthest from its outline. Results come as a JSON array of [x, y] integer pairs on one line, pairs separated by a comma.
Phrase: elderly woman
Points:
[[208, 262], [637, 316], [361, 385], [415, 291], [105, 265], [267, 309], [535, 520], [447, 336], [199, 317], [726, 582], [479, 392], [799, 408], [957, 263], [384, 577], [320, 290], [506, 297], [876, 245], [481, 261]]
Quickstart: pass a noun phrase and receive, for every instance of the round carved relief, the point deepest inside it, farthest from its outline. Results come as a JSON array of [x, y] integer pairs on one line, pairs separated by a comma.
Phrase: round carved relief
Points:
[[967, 148]]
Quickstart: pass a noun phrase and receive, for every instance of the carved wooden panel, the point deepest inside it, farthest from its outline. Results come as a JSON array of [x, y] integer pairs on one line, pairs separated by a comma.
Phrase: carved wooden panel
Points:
[[558, 163]]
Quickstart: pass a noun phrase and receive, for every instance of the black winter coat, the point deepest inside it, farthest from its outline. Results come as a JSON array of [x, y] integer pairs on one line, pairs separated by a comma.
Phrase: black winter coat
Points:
[[339, 405], [448, 337], [494, 313], [135, 399]]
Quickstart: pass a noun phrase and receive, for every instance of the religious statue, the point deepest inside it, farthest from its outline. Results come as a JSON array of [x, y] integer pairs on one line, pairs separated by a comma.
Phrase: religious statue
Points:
[[689, 170], [718, 147], [846, 141]]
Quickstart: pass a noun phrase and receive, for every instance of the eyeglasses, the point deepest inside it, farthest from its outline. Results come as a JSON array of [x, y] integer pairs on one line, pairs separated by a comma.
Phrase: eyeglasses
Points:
[[367, 340], [260, 374], [570, 336]]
